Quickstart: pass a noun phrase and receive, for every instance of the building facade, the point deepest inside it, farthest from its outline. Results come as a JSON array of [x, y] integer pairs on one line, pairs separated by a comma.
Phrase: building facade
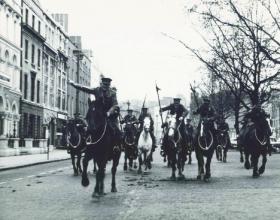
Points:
[[10, 35], [32, 42]]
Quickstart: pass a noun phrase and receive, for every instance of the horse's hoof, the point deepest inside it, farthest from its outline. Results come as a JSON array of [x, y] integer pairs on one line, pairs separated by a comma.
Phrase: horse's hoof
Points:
[[76, 173], [261, 170], [125, 168], [241, 160], [247, 165], [206, 179], [198, 177], [95, 195], [173, 178], [181, 177], [256, 174], [139, 171], [85, 180], [114, 189]]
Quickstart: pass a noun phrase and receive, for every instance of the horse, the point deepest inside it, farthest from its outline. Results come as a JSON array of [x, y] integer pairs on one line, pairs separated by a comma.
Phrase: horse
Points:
[[145, 146], [74, 134], [101, 147], [189, 143], [175, 149], [222, 145], [130, 145], [255, 143], [204, 145]]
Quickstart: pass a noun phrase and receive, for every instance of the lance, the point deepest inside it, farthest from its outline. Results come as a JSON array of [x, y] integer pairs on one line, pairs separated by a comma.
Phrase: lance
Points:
[[194, 95], [157, 89]]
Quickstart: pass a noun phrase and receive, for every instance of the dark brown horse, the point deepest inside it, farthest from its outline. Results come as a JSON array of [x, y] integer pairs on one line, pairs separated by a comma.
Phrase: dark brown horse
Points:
[[130, 145], [176, 151], [254, 141], [100, 147], [204, 144], [74, 134]]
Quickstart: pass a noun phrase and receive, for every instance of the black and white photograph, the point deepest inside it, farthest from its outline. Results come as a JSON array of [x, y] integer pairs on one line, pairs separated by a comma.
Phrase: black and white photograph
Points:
[[139, 109]]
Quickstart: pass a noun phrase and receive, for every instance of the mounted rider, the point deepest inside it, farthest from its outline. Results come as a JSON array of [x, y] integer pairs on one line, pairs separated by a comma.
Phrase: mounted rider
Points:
[[189, 128], [142, 116], [254, 117], [205, 110], [129, 117], [176, 108], [106, 95], [222, 126]]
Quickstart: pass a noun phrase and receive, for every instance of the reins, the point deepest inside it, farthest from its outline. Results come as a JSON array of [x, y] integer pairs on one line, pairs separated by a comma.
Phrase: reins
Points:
[[99, 139]]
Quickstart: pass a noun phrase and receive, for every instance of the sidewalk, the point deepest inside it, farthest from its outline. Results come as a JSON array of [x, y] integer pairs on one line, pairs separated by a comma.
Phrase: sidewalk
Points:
[[13, 162]]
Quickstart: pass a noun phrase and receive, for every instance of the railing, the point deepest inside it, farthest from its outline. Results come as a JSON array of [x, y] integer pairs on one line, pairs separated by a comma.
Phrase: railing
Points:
[[36, 143], [21, 142], [11, 143]]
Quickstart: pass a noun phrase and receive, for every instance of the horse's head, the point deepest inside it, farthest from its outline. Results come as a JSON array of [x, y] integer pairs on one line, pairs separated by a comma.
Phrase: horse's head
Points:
[[96, 117], [147, 124], [171, 125], [130, 129]]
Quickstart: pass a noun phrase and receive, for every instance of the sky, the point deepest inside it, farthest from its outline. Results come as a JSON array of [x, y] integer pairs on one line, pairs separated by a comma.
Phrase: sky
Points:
[[128, 45]]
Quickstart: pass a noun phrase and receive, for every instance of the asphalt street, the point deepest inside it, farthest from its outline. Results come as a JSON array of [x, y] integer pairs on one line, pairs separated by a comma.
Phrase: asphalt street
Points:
[[51, 191]]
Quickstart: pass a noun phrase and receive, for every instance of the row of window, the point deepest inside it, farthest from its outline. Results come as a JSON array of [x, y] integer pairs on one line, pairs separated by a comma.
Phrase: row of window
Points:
[[33, 21], [7, 57], [32, 88], [33, 49]]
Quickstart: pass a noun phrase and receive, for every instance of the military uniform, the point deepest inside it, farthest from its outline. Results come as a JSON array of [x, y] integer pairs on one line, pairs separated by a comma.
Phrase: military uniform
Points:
[[129, 118], [206, 111], [255, 115], [109, 99], [223, 127], [180, 111]]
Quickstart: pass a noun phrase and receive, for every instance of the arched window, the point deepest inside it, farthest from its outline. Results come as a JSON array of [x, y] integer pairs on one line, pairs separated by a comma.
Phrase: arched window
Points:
[[14, 108], [1, 103], [7, 108], [15, 60], [7, 55]]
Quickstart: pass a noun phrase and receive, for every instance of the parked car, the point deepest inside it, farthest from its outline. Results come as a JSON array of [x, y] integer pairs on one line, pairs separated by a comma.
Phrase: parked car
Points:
[[233, 142], [275, 144]]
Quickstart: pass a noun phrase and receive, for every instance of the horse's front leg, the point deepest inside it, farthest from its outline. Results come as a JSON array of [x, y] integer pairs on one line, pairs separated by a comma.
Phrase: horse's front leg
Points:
[[255, 161], [140, 162], [200, 163], [264, 160], [180, 165], [94, 166], [101, 172], [247, 163], [85, 180], [73, 163], [125, 160], [116, 158], [241, 154], [207, 168], [79, 156]]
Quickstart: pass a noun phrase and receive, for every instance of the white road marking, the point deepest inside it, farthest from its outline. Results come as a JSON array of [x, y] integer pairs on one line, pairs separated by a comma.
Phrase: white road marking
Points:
[[2, 183], [18, 179], [30, 176], [51, 171]]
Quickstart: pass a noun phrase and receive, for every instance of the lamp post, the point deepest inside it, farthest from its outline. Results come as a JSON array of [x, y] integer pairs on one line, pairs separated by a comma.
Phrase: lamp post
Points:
[[79, 55]]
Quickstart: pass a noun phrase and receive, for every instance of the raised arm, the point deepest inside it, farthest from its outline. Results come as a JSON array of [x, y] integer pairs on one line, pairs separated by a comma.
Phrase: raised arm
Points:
[[82, 88]]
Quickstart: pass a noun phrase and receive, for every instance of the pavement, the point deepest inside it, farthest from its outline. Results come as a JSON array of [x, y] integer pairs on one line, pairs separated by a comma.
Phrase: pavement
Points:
[[12, 162]]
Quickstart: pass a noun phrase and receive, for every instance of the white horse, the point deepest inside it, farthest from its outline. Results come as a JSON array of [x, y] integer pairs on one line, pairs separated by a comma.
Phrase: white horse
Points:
[[145, 145]]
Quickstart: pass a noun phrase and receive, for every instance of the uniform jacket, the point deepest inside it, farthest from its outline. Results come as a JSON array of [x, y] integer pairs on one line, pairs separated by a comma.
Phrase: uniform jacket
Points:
[[180, 111], [109, 98]]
